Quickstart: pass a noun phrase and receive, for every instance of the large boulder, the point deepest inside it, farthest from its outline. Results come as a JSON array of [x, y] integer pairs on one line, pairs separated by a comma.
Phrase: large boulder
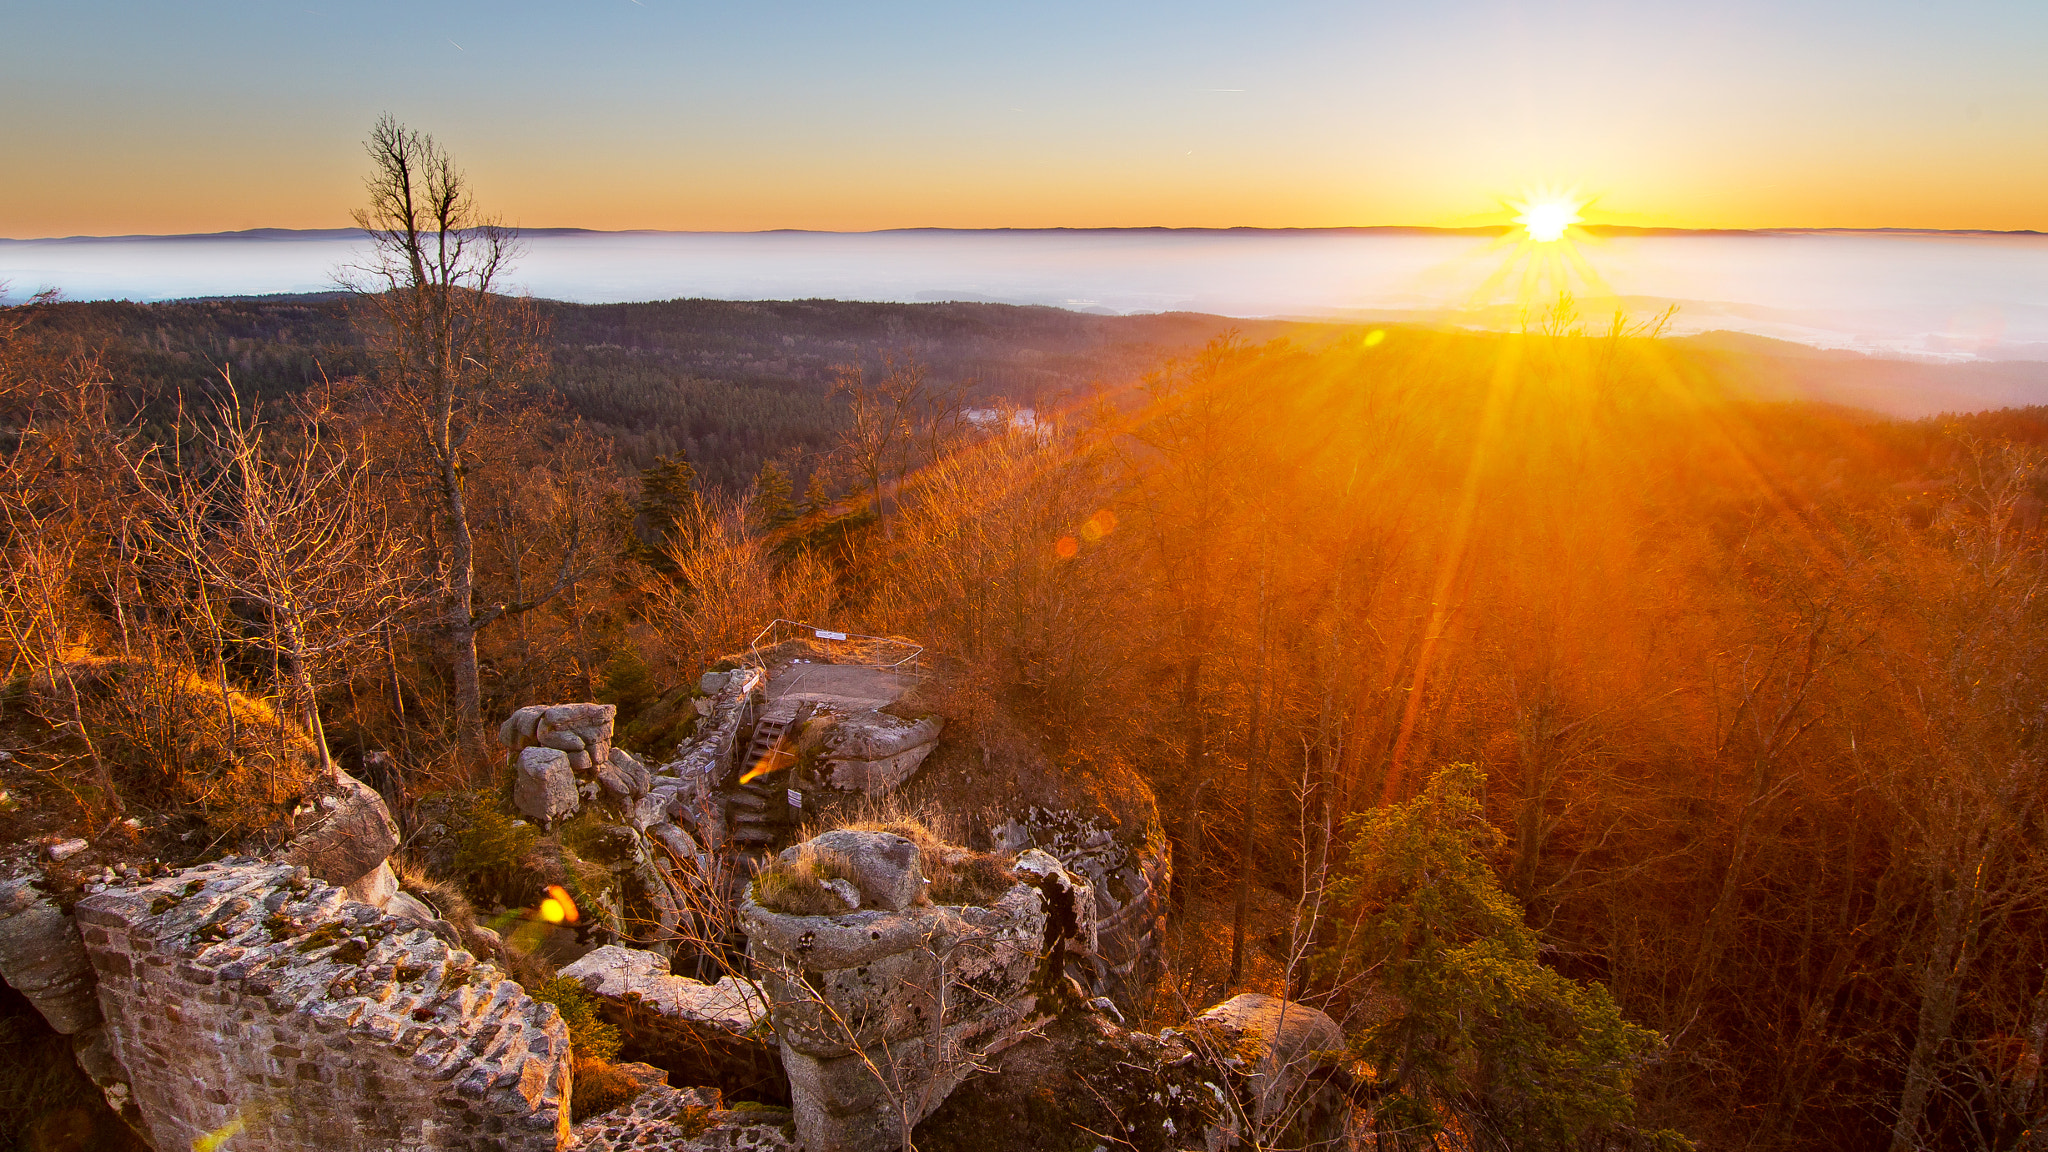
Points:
[[584, 731], [881, 1013], [885, 866], [352, 840], [734, 1004], [1279, 1046], [874, 752], [516, 733], [42, 957], [585, 728], [545, 787]]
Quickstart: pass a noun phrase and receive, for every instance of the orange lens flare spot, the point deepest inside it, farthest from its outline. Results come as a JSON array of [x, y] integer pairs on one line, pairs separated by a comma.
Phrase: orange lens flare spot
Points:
[[1099, 525], [558, 908], [1066, 548]]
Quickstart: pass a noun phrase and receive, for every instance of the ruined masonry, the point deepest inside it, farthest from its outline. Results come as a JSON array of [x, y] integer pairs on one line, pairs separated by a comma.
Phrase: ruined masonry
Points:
[[249, 1000]]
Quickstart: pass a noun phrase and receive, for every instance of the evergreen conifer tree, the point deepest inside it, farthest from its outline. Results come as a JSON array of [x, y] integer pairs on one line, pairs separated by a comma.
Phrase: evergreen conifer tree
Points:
[[773, 509], [667, 488], [816, 500]]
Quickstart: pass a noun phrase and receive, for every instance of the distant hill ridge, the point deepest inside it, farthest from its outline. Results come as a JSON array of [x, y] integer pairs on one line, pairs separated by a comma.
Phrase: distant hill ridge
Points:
[[1343, 230]]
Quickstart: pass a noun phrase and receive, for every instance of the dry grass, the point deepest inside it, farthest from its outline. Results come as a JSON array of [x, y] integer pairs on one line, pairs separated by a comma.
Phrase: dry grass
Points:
[[448, 902], [957, 875], [173, 737], [795, 885], [598, 1087]]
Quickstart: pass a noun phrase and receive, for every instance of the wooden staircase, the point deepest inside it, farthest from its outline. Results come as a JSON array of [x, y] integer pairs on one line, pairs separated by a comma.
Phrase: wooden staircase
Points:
[[767, 738]]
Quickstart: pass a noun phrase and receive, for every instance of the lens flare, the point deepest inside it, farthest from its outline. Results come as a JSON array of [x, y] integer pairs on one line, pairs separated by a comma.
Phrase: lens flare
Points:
[[558, 908]]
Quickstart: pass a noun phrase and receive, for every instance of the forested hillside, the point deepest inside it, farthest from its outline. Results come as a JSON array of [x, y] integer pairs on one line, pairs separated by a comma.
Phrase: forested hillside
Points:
[[1748, 692], [731, 385]]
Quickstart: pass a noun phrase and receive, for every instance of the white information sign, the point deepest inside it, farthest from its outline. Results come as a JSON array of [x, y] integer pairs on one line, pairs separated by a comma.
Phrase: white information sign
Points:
[[796, 798], [821, 634]]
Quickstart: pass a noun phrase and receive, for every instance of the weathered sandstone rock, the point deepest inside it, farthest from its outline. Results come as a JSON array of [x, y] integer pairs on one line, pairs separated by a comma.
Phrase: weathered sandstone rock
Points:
[[355, 837], [665, 1119], [1253, 1072], [246, 997], [881, 1013], [734, 1005], [516, 733], [884, 866], [624, 776], [42, 957], [545, 788], [698, 1033], [1279, 1045], [874, 752]]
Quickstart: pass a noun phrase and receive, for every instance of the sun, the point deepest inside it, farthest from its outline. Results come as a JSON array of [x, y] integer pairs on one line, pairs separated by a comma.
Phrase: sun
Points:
[[1546, 218]]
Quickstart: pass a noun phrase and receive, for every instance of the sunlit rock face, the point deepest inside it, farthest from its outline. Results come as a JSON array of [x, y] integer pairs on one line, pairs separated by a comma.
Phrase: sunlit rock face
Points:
[[880, 1013], [258, 1009], [349, 845], [697, 1033]]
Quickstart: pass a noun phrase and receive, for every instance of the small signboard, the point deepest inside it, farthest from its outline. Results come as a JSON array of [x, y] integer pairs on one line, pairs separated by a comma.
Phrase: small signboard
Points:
[[821, 634], [796, 798]]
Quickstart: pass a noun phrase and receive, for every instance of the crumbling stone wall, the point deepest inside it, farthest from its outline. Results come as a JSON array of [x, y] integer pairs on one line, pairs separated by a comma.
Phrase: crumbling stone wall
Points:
[[247, 999]]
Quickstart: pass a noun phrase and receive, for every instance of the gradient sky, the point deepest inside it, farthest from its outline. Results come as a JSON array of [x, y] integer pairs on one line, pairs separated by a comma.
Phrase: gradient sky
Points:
[[133, 117]]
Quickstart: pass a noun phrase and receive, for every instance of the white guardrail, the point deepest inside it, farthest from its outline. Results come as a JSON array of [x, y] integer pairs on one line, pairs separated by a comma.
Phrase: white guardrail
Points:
[[840, 645]]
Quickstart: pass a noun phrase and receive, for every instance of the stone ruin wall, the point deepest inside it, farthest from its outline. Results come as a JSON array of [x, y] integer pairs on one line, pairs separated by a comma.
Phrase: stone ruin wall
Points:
[[247, 1000]]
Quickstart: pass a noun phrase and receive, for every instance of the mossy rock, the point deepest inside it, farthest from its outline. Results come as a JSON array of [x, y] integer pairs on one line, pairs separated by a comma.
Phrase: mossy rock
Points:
[[656, 729]]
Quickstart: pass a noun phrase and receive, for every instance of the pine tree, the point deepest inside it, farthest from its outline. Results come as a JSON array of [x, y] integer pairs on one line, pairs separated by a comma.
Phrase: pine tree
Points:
[[667, 489], [816, 500], [1490, 1041], [773, 509]]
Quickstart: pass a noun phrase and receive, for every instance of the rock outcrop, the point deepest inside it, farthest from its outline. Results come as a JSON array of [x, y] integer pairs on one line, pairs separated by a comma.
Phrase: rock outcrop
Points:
[[874, 752], [543, 786], [350, 844], [1278, 1047], [43, 958], [1129, 877], [880, 1013], [249, 1000], [697, 1033], [1253, 1072], [665, 1119]]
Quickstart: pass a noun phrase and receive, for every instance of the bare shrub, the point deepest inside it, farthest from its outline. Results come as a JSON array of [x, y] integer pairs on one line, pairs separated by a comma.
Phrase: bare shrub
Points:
[[179, 737]]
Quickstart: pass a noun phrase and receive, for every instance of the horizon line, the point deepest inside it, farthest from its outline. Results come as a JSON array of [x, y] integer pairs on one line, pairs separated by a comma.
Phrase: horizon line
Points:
[[1396, 229]]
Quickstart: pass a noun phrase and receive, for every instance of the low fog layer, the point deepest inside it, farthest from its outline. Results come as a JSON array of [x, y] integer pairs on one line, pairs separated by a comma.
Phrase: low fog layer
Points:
[[1940, 296]]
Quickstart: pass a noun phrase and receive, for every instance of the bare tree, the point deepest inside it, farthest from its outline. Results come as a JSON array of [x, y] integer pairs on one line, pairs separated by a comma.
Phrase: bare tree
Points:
[[897, 423], [446, 340]]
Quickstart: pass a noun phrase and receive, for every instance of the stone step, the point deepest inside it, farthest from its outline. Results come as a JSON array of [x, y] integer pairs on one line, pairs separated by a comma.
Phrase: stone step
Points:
[[746, 798]]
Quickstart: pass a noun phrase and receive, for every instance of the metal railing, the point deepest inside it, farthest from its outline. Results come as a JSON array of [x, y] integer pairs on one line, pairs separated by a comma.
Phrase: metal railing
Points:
[[877, 650]]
